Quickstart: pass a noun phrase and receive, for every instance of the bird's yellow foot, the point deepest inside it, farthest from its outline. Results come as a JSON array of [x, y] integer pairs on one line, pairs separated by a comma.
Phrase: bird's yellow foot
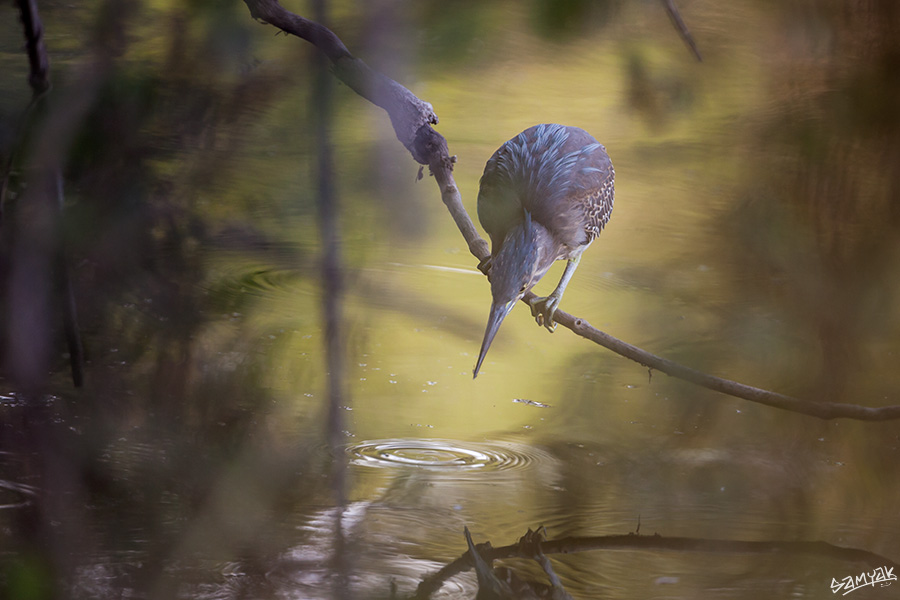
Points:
[[543, 309]]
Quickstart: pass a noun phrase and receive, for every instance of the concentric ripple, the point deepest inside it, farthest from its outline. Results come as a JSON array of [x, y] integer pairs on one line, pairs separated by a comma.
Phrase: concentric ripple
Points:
[[442, 454]]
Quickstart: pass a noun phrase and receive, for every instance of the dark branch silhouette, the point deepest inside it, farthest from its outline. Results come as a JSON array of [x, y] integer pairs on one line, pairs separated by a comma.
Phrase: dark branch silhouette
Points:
[[38, 76], [46, 176], [529, 545], [413, 119], [681, 27], [332, 302]]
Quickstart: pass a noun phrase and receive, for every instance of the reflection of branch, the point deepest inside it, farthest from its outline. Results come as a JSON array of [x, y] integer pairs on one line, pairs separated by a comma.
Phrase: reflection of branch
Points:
[[489, 585], [680, 25], [510, 586], [332, 274], [412, 119], [525, 548]]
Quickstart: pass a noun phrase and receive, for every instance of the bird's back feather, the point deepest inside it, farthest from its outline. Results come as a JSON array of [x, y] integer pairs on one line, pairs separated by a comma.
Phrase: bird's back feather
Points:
[[561, 175]]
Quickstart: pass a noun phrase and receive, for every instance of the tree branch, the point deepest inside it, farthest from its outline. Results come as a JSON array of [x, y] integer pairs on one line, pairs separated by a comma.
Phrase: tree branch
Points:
[[412, 119], [821, 410], [525, 549]]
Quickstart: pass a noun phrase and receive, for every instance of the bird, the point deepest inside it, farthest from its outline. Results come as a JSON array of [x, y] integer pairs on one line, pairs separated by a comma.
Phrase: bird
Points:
[[545, 195]]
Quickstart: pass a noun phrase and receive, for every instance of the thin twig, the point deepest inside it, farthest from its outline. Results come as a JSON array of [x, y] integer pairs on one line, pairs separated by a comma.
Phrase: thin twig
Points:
[[427, 146], [821, 410], [681, 27]]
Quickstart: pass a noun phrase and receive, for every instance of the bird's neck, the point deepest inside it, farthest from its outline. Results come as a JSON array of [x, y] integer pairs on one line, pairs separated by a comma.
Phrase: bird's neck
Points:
[[548, 249]]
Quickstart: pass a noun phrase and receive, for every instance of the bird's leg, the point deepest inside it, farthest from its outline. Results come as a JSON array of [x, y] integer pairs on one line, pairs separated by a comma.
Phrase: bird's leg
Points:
[[543, 309]]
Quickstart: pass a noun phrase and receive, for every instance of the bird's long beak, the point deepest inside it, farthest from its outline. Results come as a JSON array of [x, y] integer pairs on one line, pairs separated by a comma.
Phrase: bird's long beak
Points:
[[498, 313]]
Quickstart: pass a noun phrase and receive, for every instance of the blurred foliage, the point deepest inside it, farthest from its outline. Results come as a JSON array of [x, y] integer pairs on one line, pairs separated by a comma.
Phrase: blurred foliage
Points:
[[820, 212], [563, 18], [27, 578]]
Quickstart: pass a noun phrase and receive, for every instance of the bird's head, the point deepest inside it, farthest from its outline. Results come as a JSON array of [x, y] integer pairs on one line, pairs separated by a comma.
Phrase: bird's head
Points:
[[521, 261]]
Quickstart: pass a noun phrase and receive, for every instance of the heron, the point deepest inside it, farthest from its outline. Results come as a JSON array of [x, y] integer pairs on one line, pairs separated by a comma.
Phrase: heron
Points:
[[545, 195]]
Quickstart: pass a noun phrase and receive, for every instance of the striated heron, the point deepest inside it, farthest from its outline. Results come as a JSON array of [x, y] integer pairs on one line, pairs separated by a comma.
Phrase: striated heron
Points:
[[545, 195]]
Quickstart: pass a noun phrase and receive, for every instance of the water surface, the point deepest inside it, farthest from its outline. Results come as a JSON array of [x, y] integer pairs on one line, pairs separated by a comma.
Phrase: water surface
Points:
[[754, 236]]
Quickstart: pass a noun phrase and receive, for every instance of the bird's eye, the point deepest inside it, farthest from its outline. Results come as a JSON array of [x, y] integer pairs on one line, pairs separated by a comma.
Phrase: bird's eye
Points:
[[523, 288]]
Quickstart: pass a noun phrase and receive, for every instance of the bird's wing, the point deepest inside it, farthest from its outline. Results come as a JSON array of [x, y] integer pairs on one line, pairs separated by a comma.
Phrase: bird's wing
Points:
[[561, 175], [577, 202], [592, 189]]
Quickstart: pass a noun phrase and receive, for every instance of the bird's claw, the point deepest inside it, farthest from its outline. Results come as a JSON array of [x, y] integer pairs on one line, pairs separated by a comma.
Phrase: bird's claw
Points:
[[543, 310], [485, 266]]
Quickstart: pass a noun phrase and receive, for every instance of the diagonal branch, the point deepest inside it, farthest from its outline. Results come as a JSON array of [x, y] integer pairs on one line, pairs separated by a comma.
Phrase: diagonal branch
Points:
[[681, 27], [821, 410], [413, 119]]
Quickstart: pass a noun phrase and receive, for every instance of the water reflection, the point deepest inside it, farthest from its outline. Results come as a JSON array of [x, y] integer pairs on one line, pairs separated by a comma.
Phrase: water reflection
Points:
[[15, 495]]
